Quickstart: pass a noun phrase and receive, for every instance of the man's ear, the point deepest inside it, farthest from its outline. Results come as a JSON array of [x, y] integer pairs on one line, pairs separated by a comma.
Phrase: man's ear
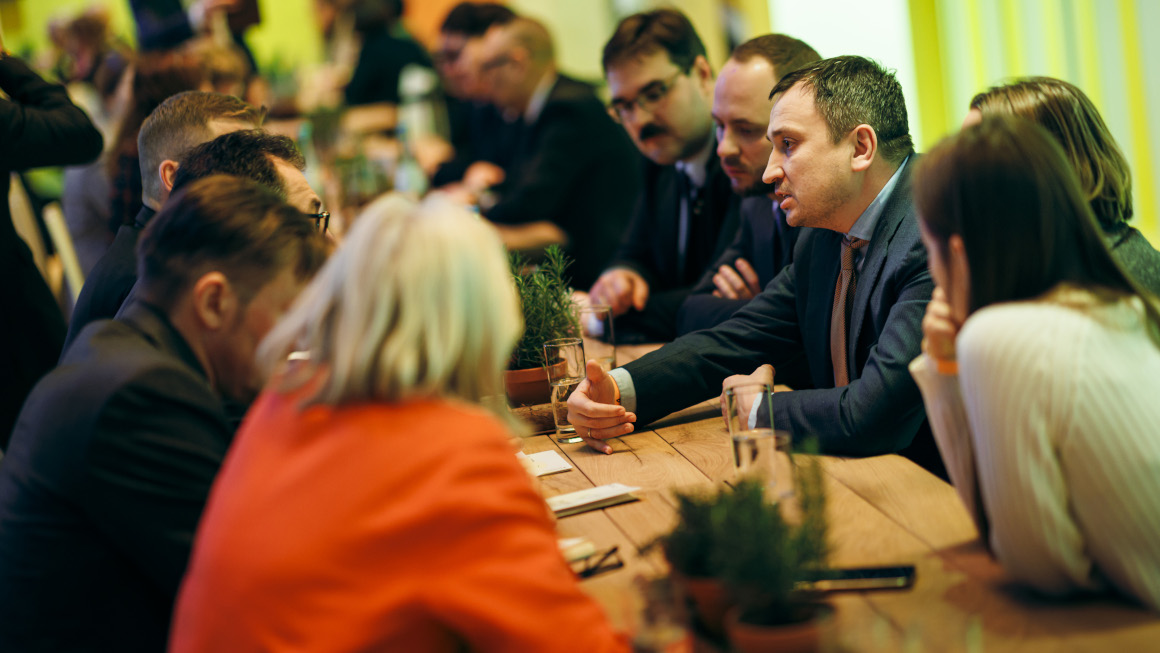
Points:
[[214, 301], [702, 74], [865, 147], [167, 171]]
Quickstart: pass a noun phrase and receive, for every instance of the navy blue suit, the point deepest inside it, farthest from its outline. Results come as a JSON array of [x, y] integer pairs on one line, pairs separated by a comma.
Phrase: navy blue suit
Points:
[[880, 411]]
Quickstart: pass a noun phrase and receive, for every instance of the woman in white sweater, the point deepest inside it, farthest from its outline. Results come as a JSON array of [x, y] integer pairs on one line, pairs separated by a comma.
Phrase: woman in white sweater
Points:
[[1041, 366]]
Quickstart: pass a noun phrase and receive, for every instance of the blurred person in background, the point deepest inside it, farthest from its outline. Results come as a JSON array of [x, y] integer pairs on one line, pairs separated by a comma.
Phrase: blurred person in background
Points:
[[764, 244], [116, 449], [1041, 356], [383, 51], [1065, 111], [575, 176], [172, 129], [479, 156], [39, 126], [85, 197], [444, 549], [662, 93]]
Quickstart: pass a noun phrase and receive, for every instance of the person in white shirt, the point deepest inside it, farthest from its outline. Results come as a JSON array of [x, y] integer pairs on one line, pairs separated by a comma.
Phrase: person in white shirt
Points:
[[1040, 365]]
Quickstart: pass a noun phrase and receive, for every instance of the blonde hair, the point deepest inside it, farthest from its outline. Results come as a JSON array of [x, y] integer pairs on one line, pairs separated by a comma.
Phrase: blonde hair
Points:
[[417, 302]]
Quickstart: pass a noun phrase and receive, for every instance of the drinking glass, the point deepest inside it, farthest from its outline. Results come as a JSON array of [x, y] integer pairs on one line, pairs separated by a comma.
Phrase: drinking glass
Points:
[[759, 452], [564, 358], [596, 327]]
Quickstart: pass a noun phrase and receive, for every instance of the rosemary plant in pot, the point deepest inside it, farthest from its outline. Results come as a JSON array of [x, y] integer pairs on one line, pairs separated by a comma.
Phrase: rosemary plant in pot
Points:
[[549, 313], [690, 550], [762, 557]]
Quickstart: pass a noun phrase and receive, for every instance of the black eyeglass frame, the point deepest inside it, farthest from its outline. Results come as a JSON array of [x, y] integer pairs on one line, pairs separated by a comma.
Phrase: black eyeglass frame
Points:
[[321, 220], [647, 99]]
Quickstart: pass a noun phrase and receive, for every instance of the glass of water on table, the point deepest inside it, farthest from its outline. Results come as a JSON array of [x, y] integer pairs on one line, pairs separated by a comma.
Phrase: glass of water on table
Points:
[[758, 452], [564, 358]]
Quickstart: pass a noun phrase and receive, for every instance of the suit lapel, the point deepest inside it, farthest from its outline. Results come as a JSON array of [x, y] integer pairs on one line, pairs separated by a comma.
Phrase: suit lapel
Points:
[[897, 207]]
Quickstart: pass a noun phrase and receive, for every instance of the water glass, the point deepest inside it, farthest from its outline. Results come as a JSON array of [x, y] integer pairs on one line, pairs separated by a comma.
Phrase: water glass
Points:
[[759, 452], [596, 327], [564, 358]]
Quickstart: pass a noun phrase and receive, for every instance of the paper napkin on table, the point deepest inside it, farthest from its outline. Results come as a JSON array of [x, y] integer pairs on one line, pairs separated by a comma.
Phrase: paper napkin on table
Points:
[[591, 498], [544, 463]]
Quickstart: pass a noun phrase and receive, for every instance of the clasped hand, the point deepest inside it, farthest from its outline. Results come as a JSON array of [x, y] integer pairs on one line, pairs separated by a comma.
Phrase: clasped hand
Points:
[[593, 410]]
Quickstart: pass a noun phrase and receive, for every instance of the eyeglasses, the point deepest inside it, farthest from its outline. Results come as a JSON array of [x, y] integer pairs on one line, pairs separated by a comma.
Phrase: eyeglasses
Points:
[[649, 97], [321, 220], [598, 563], [495, 64], [447, 56]]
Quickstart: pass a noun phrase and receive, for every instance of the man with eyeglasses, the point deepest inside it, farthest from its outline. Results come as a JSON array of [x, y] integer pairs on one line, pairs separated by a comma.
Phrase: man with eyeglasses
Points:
[[662, 90], [479, 133], [574, 177]]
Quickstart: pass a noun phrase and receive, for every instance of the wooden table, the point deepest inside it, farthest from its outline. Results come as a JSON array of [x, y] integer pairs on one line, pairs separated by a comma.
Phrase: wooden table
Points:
[[883, 510]]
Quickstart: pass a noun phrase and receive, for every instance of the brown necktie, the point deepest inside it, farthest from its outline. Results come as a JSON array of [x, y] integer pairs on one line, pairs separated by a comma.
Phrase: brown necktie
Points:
[[840, 317]]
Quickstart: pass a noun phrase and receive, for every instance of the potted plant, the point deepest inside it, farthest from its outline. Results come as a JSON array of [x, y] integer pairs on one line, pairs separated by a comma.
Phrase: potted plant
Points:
[[763, 557], [549, 313], [689, 549]]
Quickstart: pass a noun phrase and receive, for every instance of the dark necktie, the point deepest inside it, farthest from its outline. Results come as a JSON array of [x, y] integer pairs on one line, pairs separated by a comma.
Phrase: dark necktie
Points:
[[840, 317], [687, 235]]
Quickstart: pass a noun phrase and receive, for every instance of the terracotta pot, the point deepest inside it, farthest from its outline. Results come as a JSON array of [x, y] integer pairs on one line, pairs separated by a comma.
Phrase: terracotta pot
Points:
[[709, 598], [801, 637], [528, 387]]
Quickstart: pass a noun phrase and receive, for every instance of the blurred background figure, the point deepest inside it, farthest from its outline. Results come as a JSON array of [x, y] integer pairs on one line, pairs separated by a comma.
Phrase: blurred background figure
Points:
[[1105, 178], [385, 50], [446, 547], [1040, 363], [39, 126]]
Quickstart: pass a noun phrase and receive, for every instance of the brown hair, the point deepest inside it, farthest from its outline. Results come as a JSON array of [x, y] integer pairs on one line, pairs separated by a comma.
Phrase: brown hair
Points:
[[1005, 187], [179, 123], [229, 224], [1067, 113], [661, 30], [785, 53], [246, 153], [851, 91]]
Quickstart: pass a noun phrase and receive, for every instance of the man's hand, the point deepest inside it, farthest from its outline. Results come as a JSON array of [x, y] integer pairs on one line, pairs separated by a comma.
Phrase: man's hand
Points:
[[739, 283], [482, 175], [763, 374], [939, 328], [593, 410], [621, 289]]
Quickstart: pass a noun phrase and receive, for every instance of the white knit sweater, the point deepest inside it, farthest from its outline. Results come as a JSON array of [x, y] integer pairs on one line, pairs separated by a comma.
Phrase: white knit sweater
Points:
[[1051, 435]]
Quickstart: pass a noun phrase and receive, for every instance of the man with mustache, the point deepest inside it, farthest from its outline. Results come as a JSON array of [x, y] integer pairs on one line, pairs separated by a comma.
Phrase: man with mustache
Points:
[[662, 87], [764, 244]]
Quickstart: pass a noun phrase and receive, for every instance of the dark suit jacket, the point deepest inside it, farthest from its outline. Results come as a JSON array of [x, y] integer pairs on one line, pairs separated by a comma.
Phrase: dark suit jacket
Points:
[[478, 133], [380, 64], [650, 246], [577, 168], [880, 411], [39, 126], [100, 494], [108, 284], [765, 240], [1135, 253]]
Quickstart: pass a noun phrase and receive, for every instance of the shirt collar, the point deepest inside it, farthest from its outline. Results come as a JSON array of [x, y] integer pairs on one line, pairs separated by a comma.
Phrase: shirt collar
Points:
[[695, 167], [540, 97], [864, 226]]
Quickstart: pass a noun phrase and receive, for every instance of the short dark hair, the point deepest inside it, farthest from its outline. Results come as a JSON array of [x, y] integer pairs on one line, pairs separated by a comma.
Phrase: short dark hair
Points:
[[179, 123], [851, 91], [474, 19], [1071, 117], [785, 53], [1006, 188], [660, 30], [243, 154], [229, 224]]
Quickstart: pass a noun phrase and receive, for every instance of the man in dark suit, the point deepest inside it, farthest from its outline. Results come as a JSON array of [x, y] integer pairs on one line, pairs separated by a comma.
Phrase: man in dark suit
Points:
[[764, 244], [39, 126], [575, 175], [851, 302], [175, 126], [662, 87], [115, 451]]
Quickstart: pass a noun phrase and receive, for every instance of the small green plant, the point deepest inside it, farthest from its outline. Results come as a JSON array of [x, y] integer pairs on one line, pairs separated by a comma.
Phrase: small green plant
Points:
[[690, 545], [546, 298], [762, 557]]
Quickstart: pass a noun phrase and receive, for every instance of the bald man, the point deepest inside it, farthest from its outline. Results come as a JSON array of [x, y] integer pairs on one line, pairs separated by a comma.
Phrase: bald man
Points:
[[576, 174]]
